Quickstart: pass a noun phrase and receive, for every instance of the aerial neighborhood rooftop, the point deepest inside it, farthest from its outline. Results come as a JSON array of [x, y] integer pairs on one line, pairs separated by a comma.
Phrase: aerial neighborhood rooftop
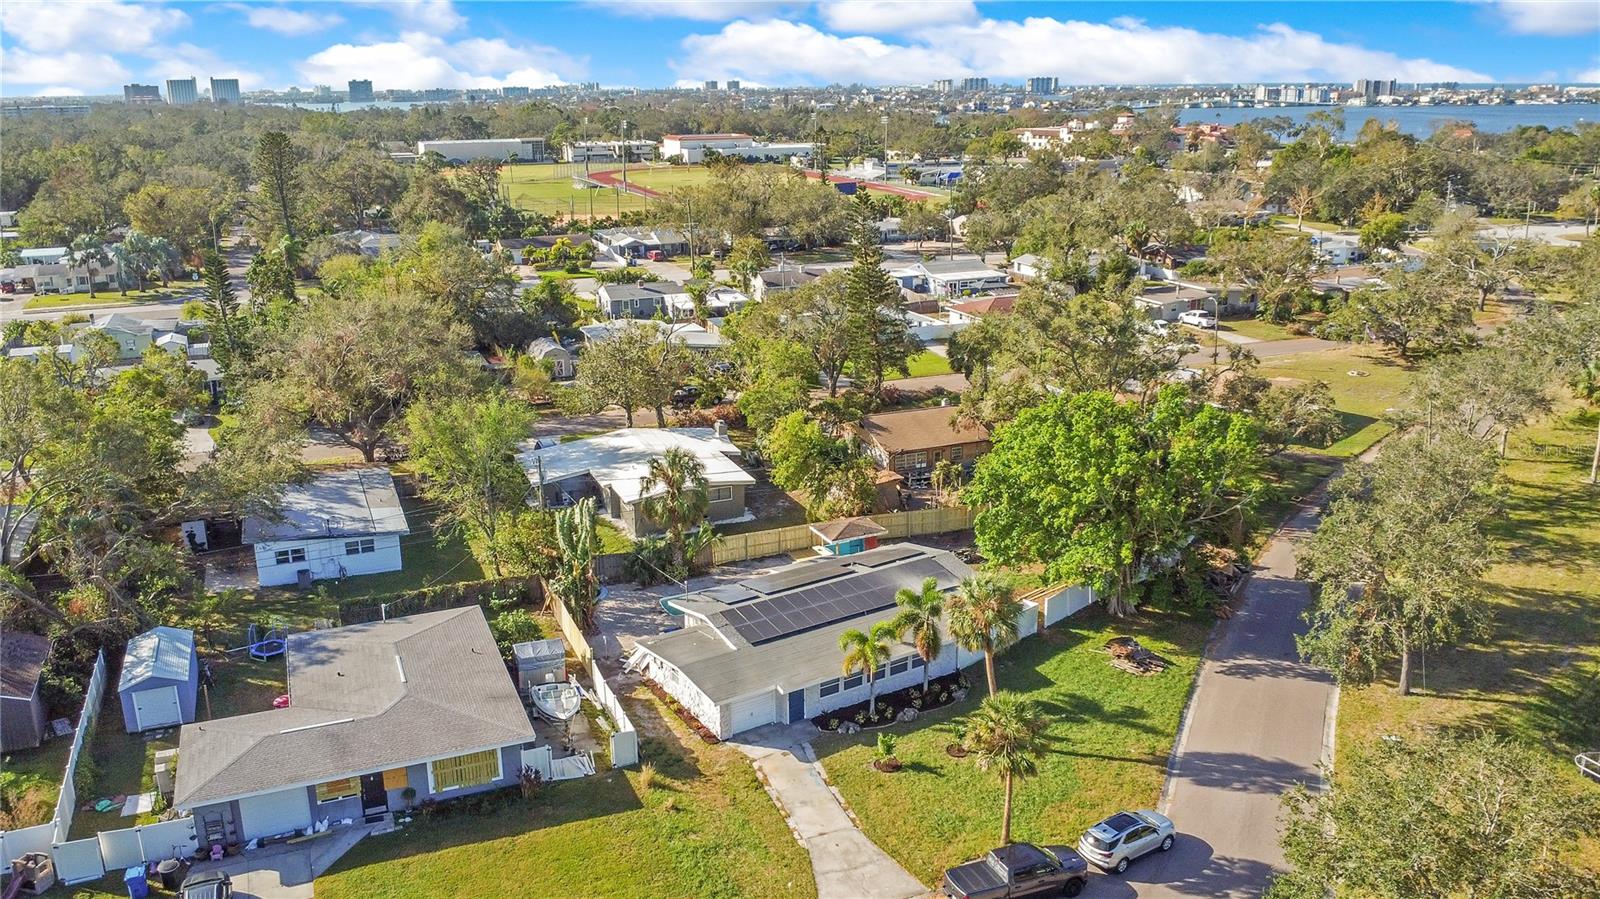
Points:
[[511, 465]]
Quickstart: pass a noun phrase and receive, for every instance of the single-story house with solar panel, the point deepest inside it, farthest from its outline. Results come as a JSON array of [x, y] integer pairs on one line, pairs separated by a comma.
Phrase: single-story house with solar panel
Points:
[[765, 650], [338, 525], [160, 679], [420, 703]]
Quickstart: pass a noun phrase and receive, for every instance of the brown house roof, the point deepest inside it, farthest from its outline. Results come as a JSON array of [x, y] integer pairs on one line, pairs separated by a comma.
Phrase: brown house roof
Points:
[[1000, 303], [22, 657], [918, 429]]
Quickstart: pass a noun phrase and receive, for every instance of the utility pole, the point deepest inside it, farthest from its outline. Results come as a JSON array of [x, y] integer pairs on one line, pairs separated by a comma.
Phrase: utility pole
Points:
[[884, 120], [624, 168]]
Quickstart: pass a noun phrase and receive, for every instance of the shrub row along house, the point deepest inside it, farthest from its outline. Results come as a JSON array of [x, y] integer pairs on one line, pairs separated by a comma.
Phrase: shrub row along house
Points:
[[766, 650]]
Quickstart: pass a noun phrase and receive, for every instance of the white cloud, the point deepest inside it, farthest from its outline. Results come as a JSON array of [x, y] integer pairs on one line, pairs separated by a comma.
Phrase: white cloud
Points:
[[703, 10], [1126, 51], [60, 72], [122, 27], [185, 60], [430, 15], [893, 16], [284, 20], [417, 60], [1558, 18]]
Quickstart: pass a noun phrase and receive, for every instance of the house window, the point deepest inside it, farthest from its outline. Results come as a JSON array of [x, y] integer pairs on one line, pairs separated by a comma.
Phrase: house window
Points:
[[360, 547], [829, 687], [955, 453], [396, 779], [918, 662], [286, 556], [471, 770], [911, 460], [719, 494], [900, 666], [335, 790], [853, 681]]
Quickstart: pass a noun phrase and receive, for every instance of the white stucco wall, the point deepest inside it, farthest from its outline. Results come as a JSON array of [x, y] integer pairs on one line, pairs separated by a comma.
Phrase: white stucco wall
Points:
[[326, 558]]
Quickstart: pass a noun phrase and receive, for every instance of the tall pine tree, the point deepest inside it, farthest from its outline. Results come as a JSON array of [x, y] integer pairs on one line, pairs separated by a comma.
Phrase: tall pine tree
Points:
[[222, 311], [880, 336]]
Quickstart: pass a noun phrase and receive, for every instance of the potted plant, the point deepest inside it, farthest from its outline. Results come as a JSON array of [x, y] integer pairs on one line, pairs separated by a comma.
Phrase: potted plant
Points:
[[408, 796], [886, 761]]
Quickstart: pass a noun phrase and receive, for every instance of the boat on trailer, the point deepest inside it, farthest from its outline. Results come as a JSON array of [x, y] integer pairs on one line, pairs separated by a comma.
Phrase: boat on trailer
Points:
[[557, 702]]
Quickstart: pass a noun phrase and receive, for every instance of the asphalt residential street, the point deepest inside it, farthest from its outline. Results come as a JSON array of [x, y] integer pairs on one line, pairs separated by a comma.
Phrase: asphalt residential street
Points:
[[1259, 723]]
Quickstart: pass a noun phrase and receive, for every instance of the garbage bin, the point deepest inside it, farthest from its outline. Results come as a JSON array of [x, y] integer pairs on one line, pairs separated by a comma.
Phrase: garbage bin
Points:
[[134, 880], [172, 871]]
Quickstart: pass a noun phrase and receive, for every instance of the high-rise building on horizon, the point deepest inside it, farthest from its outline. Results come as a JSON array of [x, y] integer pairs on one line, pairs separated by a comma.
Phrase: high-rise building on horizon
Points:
[[1043, 85], [1372, 89], [732, 84], [141, 94], [225, 90], [182, 92], [944, 85], [711, 85], [973, 85], [360, 91]]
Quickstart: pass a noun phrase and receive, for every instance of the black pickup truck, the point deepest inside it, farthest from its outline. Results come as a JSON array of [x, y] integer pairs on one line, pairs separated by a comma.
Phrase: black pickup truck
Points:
[[1020, 869]]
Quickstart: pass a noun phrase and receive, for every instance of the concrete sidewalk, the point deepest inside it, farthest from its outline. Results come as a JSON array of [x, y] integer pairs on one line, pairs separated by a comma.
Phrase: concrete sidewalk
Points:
[[1258, 724], [844, 862]]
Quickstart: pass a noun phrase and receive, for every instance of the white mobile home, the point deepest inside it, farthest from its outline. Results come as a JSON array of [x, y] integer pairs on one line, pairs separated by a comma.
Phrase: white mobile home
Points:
[[342, 524]]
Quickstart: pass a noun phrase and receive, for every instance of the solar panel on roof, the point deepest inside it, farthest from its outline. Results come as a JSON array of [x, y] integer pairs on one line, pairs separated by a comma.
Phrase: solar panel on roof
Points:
[[799, 576], [874, 558], [813, 603]]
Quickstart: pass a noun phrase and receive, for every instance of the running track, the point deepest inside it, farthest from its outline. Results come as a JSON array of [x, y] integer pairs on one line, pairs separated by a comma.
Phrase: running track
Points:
[[613, 178]]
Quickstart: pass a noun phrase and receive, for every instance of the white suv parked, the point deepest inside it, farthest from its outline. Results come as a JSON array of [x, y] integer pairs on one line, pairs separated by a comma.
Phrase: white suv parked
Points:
[[1199, 318], [1115, 842]]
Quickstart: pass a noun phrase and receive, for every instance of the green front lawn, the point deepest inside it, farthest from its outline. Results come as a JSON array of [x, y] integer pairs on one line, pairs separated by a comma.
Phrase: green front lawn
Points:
[[1110, 734], [703, 828], [110, 297], [927, 363], [1538, 674], [1257, 328], [1362, 399]]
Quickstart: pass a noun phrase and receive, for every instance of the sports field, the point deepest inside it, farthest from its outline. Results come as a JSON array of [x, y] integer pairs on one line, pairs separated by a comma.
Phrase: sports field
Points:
[[551, 190]]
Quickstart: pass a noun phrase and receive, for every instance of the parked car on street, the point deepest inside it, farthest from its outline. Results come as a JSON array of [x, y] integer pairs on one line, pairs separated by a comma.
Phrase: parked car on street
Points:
[[210, 885], [686, 396], [1116, 842], [1199, 318], [1020, 869]]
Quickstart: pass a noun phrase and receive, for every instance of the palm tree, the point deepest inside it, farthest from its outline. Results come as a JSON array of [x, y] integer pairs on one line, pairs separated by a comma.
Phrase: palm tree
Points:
[[919, 614], [676, 496], [868, 651], [89, 250], [983, 616], [1005, 735]]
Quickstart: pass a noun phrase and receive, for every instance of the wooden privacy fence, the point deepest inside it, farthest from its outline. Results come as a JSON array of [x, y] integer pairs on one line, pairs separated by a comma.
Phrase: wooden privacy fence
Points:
[[778, 541]]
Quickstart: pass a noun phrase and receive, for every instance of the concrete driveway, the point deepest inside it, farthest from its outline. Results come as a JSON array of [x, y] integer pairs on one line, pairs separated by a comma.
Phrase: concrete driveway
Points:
[[844, 862], [287, 870]]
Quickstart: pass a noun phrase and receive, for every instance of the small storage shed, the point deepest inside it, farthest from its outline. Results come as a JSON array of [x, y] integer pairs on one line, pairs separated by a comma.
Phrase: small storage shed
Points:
[[540, 662], [22, 712], [160, 677]]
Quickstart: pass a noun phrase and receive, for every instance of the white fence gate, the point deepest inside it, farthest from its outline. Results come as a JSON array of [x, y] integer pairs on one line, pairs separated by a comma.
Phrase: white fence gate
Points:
[[573, 766], [624, 740]]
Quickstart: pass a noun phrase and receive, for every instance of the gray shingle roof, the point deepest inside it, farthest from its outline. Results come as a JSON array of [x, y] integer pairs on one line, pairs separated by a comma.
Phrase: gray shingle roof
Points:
[[363, 698], [22, 657], [356, 502], [162, 652]]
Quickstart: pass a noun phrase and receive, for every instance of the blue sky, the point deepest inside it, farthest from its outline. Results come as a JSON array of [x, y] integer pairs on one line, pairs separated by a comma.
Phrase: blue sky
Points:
[[94, 46]]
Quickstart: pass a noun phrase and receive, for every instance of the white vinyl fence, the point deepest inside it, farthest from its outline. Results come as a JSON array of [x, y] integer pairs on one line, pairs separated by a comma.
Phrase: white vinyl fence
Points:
[[79, 861], [1064, 601], [624, 740]]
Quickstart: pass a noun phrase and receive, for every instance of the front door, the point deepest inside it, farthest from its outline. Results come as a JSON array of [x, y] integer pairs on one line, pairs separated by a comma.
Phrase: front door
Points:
[[374, 799], [797, 706]]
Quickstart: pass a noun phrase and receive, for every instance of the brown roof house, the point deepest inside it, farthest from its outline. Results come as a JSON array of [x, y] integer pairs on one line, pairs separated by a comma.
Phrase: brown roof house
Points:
[[913, 441], [22, 711]]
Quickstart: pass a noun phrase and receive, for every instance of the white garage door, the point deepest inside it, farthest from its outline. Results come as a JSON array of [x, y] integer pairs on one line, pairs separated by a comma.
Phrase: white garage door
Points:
[[752, 711], [157, 708], [275, 813]]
